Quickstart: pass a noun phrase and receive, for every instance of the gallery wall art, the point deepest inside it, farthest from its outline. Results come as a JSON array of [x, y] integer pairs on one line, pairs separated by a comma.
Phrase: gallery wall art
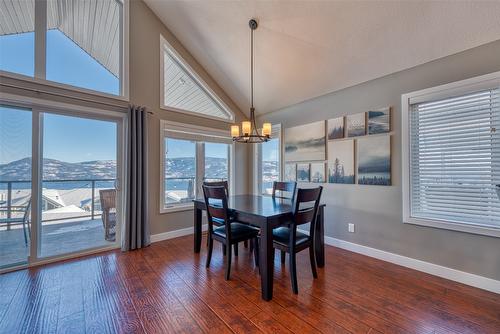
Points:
[[356, 125], [374, 160], [318, 172], [303, 173], [341, 161], [379, 121], [290, 172], [305, 142], [335, 128]]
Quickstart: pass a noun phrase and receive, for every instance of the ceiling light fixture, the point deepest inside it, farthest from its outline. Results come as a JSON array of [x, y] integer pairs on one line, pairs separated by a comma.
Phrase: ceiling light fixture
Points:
[[249, 132]]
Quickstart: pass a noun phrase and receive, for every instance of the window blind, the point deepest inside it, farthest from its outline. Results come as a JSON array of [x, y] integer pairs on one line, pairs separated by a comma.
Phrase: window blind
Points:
[[455, 159]]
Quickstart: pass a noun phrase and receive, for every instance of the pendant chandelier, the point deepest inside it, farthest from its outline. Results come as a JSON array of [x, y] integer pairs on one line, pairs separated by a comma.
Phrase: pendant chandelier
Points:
[[249, 132]]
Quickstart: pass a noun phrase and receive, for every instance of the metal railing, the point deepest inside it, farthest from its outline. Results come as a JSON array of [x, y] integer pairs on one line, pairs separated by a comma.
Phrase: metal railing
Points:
[[7, 207]]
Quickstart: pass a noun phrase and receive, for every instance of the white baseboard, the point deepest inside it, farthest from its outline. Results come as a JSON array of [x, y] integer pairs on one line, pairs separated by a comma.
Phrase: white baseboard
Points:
[[175, 234], [477, 281]]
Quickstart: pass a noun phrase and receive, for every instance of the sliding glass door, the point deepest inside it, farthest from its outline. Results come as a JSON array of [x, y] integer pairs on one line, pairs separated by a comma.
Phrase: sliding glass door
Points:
[[59, 183], [15, 185], [78, 187]]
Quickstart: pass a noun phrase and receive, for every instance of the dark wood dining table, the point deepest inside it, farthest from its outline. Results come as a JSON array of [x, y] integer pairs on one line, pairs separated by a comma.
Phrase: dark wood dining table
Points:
[[266, 213]]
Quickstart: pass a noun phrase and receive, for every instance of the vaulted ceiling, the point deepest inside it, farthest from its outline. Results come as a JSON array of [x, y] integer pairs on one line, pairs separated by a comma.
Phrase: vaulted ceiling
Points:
[[305, 49]]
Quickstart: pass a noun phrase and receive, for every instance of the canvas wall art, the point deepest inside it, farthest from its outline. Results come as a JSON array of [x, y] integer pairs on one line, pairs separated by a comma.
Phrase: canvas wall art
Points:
[[290, 172], [379, 121], [305, 142], [356, 125], [318, 172], [335, 129], [374, 160], [341, 161], [303, 172]]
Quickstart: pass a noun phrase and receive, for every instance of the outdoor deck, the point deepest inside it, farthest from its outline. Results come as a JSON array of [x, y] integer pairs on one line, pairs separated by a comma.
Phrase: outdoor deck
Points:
[[57, 237]]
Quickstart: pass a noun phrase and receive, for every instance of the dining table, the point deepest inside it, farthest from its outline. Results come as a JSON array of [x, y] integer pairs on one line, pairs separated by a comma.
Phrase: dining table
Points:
[[267, 213]]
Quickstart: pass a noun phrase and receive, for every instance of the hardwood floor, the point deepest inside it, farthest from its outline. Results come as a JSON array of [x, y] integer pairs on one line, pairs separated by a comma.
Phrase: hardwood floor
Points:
[[166, 288]]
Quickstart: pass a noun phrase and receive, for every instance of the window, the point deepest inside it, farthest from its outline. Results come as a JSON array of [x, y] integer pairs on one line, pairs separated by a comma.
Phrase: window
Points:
[[216, 162], [452, 167], [79, 43], [191, 155], [180, 171], [184, 91], [269, 162]]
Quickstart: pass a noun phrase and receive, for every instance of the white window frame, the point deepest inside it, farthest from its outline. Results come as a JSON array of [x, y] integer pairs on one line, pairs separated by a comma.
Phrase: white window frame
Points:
[[462, 87], [200, 135], [257, 151], [165, 46], [41, 48]]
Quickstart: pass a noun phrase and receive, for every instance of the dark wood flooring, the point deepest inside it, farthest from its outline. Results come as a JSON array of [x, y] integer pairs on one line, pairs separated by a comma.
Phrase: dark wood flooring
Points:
[[165, 288]]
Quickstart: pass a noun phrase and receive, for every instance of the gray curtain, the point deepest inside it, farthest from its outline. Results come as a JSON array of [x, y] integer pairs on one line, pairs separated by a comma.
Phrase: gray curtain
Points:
[[136, 231]]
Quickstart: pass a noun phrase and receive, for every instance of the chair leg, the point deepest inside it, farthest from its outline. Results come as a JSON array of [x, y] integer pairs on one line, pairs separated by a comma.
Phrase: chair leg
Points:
[[283, 256], [235, 249], [255, 243], [24, 232], [223, 249], [245, 244], [313, 261], [293, 273], [210, 248], [228, 261], [251, 245]]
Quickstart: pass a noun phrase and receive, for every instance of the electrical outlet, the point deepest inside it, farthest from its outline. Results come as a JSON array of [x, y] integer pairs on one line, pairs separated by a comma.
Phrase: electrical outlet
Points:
[[350, 227]]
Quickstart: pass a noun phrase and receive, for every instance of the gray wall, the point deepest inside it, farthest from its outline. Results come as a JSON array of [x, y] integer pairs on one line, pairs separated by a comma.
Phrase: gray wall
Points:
[[145, 30], [377, 210]]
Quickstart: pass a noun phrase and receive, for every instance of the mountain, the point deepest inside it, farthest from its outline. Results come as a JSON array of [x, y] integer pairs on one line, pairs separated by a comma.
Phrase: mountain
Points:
[[215, 168], [59, 170]]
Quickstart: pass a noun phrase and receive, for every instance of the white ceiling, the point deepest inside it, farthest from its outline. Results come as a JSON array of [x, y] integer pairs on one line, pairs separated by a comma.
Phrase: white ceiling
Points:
[[305, 49]]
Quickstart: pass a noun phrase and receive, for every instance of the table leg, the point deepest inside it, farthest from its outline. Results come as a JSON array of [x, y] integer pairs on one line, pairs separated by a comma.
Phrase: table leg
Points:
[[197, 230], [319, 242], [266, 262]]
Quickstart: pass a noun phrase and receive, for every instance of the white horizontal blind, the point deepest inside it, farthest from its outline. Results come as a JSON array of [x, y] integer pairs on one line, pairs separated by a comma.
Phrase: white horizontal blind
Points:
[[455, 159]]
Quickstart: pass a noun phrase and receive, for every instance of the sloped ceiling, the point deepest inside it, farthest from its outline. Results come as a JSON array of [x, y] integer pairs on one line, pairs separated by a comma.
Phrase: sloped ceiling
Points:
[[305, 49]]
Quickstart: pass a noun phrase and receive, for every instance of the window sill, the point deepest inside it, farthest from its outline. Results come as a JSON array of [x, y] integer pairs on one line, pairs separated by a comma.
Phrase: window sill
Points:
[[454, 226], [178, 208]]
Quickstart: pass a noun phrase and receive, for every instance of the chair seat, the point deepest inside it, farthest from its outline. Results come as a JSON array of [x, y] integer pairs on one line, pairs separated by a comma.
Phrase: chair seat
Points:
[[238, 231], [281, 235]]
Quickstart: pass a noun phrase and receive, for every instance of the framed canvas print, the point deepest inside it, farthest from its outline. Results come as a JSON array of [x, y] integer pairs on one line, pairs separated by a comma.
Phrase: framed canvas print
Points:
[[305, 142], [356, 125], [303, 172], [379, 121], [335, 128], [374, 160], [290, 172], [318, 172], [341, 161]]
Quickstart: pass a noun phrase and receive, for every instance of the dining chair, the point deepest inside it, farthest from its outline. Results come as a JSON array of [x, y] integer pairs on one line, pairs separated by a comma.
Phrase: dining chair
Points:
[[227, 231], [289, 240], [284, 190], [226, 187]]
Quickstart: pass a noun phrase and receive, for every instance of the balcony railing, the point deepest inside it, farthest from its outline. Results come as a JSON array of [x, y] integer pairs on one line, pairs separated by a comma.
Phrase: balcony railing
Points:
[[7, 209]]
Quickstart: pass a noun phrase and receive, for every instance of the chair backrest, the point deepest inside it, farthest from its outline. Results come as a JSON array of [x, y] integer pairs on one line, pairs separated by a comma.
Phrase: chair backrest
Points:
[[108, 199], [218, 184], [283, 188], [305, 208], [217, 208], [27, 211]]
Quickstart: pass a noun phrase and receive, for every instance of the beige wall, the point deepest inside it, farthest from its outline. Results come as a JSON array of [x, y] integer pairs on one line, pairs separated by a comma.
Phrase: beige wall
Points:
[[377, 210], [145, 30]]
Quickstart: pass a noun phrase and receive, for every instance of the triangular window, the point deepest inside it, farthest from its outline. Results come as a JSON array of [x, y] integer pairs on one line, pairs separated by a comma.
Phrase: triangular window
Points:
[[184, 91]]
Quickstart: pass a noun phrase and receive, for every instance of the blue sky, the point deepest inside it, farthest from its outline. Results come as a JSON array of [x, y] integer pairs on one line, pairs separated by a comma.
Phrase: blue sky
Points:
[[184, 148], [65, 138]]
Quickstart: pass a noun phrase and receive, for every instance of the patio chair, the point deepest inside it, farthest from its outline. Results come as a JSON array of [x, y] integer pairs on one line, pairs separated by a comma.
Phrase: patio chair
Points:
[[25, 220], [108, 202]]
